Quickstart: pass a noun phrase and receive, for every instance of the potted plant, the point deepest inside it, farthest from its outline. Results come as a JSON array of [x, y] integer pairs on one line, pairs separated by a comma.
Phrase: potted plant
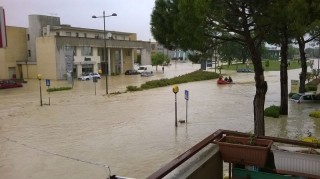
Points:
[[245, 150]]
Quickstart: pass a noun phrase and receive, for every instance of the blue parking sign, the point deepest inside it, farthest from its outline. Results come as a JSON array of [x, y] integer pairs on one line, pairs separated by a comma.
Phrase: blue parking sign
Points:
[[186, 94], [47, 82]]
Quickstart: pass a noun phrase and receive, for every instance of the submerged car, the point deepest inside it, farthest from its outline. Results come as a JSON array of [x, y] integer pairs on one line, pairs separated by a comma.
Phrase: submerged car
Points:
[[306, 97], [9, 84], [89, 76], [131, 72]]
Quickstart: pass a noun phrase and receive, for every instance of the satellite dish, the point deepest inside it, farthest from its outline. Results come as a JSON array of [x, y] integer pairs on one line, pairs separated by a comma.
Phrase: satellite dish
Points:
[[109, 35]]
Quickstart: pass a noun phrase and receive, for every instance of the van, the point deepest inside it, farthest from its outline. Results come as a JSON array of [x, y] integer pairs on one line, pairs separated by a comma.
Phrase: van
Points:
[[145, 68]]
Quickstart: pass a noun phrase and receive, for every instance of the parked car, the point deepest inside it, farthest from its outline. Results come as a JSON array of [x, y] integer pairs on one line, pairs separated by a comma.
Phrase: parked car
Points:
[[305, 97], [9, 84], [131, 72], [146, 74], [89, 76], [147, 68]]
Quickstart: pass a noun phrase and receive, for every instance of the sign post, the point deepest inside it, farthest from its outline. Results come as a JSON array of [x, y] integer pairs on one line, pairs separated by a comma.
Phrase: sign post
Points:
[[186, 96], [175, 90], [95, 80], [48, 85]]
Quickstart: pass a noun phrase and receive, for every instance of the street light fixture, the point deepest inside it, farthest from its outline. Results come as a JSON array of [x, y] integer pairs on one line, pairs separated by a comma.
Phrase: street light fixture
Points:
[[39, 76], [105, 43]]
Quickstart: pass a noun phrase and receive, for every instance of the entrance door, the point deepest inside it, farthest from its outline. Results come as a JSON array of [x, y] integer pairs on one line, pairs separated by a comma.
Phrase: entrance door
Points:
[[12, 72], [87, 68]]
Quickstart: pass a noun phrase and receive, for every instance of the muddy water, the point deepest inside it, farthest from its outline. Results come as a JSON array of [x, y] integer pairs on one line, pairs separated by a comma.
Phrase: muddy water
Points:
[[133, 133]]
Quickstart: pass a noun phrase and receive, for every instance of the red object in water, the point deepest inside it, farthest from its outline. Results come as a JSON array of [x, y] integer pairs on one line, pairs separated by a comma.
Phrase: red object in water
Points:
[[9, 84], [222, 82]]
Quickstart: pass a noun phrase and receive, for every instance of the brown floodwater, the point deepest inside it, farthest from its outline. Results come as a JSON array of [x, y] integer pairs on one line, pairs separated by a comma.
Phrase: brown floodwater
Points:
[[133, 133]]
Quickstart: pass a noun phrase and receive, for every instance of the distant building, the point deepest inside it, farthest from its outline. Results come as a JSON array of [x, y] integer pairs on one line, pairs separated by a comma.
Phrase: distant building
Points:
[[54, 50], [172, 54]]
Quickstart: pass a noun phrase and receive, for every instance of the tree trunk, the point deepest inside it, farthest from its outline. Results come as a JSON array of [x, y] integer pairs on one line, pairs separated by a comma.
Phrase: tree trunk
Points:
[[303, 75], [261, 89], [284, 73]]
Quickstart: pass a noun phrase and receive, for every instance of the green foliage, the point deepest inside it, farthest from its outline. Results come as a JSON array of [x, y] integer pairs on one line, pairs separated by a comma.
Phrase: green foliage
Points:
[[272, 111], [315, 114], [274, 65], [159, 59], [58, 89], [267, 63], [133, 88], [190, 77]]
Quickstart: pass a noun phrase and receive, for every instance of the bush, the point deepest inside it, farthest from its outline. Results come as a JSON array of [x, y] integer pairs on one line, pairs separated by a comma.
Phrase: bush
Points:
[[58, 89], [133, 88], [272, 111], [267, 63], [190, 77], [314, 114]]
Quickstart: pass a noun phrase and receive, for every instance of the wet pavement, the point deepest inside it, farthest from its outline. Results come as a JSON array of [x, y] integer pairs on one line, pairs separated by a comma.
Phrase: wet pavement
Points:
[[133, 132]]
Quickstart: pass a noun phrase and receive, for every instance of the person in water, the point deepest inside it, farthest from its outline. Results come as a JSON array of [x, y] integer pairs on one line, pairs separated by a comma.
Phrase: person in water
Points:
[[226, 79], [230, 79]]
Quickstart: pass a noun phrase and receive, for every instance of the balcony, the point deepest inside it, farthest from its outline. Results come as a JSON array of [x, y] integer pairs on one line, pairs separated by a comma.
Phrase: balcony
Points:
[[204, 160]]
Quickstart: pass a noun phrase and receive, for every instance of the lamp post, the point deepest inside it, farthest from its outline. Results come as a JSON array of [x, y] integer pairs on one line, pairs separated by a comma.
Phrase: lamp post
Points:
[[105, 43], [39, 76]]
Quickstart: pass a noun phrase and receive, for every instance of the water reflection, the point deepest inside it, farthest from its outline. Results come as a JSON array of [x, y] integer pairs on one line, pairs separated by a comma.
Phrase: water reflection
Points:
[[133, 133]]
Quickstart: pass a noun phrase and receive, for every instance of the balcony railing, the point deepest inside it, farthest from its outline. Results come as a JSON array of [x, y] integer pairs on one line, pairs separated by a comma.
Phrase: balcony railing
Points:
[[178, 161]]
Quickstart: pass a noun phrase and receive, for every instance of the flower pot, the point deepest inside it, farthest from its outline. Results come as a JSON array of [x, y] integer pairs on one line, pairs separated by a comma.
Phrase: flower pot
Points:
[[297, 163], [237, 150]]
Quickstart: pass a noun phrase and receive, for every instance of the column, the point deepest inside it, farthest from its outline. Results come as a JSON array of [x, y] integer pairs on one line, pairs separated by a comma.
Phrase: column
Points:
[[109, 61], [132, 58], [121, 60]]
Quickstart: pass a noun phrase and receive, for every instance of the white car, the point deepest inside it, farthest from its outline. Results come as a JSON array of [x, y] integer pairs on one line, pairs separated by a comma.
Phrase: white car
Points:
[[306, 97], [89, 76]]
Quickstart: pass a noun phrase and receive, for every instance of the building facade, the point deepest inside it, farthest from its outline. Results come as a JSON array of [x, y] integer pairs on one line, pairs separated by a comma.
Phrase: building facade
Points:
[[56, 50]]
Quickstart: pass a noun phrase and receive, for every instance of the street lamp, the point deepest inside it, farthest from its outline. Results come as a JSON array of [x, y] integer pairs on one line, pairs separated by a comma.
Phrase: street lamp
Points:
[[105, 45], [39, 76]]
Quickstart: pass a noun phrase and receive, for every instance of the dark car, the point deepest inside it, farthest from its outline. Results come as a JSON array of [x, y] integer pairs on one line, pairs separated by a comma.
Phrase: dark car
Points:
[[131, 72], [9, 84]]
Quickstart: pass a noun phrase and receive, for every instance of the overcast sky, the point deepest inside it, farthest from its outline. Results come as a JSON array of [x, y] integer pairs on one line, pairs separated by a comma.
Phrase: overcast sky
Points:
[[133, 15]]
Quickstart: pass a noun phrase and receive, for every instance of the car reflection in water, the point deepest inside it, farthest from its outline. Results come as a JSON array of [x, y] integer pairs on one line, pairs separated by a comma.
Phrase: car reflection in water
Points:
[[9, 84], [307, 97], [146, 73]]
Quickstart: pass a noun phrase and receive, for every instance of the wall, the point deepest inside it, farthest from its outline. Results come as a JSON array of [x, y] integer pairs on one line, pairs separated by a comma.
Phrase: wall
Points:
[[46, 57], [36, 22], [15, 51], [127, 59], [205, 164]]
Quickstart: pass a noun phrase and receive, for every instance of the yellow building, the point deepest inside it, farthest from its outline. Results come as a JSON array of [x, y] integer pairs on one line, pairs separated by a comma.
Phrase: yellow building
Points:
[[14, 53], [58, 51]]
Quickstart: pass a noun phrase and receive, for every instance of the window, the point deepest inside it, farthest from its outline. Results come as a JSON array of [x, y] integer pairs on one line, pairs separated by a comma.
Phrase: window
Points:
[[68, 34], [96, 36], [58, 33], [29, 53], [77, 34], [85, 35], [86, 51], [28, 36]]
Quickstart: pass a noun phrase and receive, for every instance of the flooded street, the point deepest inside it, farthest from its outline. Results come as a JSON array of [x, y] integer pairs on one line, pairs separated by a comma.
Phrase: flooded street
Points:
[[134, 132]]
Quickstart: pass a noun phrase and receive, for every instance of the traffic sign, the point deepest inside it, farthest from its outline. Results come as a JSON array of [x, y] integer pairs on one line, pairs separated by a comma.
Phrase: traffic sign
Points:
[[186, 94], [47, 82]]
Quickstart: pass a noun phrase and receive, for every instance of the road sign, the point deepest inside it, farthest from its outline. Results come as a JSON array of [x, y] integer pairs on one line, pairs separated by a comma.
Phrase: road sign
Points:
[[47, 82], [186, 94]]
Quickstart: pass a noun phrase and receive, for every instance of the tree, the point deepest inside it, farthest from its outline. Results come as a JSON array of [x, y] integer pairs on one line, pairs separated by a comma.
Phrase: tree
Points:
[[206, 23], [158, 59], [229, 51]]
